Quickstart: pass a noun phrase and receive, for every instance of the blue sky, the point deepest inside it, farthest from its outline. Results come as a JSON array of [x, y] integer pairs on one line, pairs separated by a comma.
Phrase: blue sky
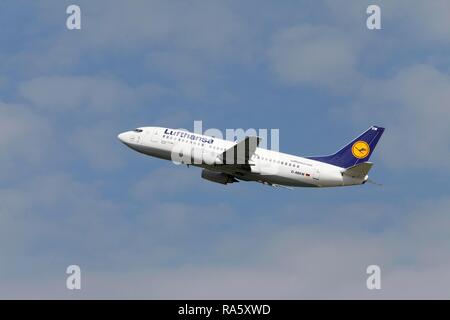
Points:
[[138, 227]]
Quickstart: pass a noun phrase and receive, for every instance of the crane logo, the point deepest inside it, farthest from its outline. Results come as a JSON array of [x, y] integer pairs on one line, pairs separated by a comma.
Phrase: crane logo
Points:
[[360, 149]]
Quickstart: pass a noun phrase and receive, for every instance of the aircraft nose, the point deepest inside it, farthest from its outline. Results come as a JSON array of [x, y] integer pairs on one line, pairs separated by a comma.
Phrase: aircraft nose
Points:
[[123, 136]]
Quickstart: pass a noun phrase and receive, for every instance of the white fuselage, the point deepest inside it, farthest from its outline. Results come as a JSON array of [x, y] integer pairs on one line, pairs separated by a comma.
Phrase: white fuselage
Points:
[[266, 166]]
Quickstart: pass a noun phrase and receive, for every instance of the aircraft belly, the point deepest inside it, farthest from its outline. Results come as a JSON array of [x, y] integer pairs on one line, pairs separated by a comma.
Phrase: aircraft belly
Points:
[[268, 178], [285, 181], [152, 151]]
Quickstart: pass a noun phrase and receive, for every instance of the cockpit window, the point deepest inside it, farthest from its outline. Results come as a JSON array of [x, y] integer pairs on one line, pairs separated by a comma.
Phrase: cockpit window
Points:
[[137, 130]]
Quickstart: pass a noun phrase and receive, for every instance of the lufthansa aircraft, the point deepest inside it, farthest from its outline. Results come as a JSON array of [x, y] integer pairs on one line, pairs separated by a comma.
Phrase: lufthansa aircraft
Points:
[[226, 162]]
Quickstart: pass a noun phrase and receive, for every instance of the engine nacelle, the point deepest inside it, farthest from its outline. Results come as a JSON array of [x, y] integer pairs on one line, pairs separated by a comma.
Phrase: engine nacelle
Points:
[[218, 177]]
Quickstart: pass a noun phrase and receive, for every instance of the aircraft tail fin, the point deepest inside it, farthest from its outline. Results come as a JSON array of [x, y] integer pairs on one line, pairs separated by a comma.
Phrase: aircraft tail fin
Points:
[[357, 151]]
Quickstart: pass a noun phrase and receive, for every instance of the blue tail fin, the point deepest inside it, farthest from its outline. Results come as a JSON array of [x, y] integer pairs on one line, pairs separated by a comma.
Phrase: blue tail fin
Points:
[[357, 151]]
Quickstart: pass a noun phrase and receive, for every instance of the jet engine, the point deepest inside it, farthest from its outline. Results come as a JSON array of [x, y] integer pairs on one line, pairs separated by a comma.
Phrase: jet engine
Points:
[[218, 177]]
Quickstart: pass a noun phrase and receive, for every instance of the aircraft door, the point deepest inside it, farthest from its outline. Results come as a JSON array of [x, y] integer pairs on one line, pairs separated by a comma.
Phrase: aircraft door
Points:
[[256, 165], [316, 173], [155, 136]]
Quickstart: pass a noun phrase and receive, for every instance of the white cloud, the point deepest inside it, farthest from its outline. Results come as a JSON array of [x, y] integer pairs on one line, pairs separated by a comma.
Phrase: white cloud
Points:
[[312, 261], [198, 30], [412, 104], [315, 56], [62, 93], [98, 145], [187, 26], [287, 260], [409, 21], [427, 22], [170, 180], [24, 139], [50, 221]]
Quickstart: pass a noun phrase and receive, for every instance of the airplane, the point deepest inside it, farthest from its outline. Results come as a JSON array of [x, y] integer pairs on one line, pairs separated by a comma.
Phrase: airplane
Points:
[[228, 162]]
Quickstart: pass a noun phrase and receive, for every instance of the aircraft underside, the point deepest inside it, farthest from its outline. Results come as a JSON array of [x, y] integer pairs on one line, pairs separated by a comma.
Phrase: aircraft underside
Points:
[[244, 175]]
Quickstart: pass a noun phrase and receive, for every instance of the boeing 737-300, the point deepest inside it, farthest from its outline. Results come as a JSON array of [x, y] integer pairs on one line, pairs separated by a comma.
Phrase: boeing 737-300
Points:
[[226, 162]]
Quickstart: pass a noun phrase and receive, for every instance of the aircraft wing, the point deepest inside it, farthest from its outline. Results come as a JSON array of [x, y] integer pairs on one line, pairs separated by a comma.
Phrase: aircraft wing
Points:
[[241, 152]]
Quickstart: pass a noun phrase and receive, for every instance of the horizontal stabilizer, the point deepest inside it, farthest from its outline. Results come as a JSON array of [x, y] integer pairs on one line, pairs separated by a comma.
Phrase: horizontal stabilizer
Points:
[[359, 170]]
